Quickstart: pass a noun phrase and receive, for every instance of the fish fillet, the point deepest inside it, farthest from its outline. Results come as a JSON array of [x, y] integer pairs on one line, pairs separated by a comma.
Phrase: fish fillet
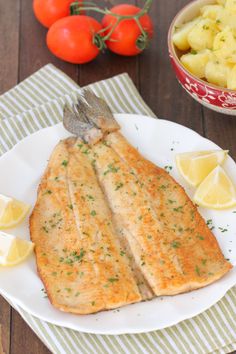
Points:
[[110, 228], [188, 244], [78, 254]]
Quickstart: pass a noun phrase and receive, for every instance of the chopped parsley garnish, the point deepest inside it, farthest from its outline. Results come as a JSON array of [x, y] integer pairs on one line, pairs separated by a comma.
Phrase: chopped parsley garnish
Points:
[[112, 280], [192, 214], [168, 168], [119, 185], [111, 169], [47, 192], [79, 257], [222, 229], [178, 209], [163, 186], [72, 257], [171, 201], [200, 237], [93, 213], [45, 229], [90, 197], [197, 270], [86, 151], [64, 163], [106, 143], [68, 290], [175, 244], [122, 253], [209, 224]]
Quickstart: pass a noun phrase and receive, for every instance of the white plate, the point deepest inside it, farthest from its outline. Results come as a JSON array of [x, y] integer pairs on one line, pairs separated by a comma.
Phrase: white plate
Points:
[[159, 141]]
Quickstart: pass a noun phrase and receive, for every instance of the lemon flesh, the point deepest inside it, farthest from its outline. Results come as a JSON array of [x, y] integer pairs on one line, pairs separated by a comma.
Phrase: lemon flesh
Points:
[[12, 212], [216, 191], [13, 250], [195, 166]]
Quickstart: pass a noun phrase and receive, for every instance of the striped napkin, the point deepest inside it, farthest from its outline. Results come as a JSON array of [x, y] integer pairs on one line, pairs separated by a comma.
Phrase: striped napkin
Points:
[[37, 103]]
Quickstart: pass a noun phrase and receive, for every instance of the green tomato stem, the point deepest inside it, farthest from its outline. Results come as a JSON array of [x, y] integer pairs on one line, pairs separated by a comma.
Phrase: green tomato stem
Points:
[[100, 40]]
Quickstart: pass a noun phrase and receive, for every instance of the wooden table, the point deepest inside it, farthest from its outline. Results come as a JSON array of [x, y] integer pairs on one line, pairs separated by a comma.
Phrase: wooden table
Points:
[[23, 51]]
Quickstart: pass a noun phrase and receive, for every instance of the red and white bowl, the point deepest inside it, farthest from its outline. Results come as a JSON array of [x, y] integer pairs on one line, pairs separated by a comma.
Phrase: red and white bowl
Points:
[[211, 96]]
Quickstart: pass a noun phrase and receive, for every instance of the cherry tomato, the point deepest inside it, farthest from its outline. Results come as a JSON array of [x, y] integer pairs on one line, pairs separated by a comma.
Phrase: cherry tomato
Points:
[[127, 38], [49, 11], [73, 39]]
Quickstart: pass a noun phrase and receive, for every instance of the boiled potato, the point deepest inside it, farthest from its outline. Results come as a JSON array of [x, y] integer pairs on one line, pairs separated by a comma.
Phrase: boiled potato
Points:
[[210, 43], [196, 63], [224, 46], [180, 37], [225, 18], [231, 82], [211, 11], [217, 73], [231, 5], [202, 35]]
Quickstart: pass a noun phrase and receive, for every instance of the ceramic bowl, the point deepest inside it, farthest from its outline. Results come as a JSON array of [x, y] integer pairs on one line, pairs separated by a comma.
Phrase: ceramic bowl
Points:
[[211, 96]]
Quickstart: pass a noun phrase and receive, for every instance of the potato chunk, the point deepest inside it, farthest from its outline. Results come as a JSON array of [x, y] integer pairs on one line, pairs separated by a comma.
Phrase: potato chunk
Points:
[[211, 11], [180, 37], [196, 63], [231, 5], [221, 2], [202, 35], [226, 17], [224, 46], [217, 73], [231, 80]]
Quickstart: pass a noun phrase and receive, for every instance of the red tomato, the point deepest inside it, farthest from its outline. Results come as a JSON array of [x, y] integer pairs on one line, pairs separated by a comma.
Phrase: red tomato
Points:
[[49, 11], [125, 40], [72, 39]]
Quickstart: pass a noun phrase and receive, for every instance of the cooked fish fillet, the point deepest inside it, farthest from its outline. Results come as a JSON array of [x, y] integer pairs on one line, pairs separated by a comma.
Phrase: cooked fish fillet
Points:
[[111, 228], [78, 254], [188, 243]]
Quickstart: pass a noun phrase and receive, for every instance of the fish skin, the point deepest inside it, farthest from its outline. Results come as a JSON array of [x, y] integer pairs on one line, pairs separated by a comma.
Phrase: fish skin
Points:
[[196, 252], [84, 285]]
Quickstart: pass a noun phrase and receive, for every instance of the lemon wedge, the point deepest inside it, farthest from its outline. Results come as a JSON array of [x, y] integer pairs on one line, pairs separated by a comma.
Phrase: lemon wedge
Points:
[[13, 250], [195, 166], [216, 191], [12, 212]]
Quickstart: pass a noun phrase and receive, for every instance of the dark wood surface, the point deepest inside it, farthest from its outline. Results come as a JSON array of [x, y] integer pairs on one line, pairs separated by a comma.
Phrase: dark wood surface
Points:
[[23, 51]]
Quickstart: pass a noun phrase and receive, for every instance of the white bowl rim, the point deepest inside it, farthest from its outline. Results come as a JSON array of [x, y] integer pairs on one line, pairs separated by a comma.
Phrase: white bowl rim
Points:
[[177, 61]]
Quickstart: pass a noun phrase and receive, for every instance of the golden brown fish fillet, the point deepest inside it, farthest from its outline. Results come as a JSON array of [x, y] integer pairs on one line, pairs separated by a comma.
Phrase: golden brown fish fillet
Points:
[[188, 243], [78, 255]]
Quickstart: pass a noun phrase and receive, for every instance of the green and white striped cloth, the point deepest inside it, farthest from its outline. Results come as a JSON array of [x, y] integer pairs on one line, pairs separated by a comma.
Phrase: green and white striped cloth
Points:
[[36, 103]]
